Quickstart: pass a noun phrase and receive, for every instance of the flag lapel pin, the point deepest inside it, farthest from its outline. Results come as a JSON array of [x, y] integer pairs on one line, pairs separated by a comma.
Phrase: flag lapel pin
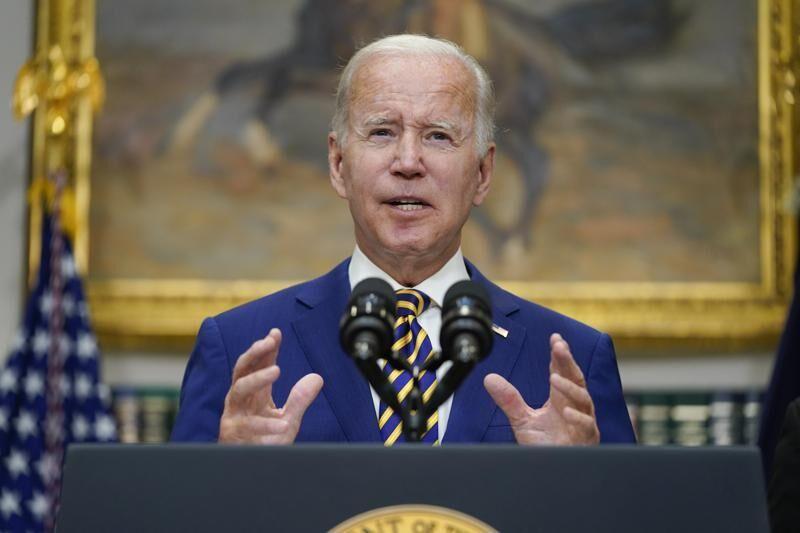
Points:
[[500, 331]]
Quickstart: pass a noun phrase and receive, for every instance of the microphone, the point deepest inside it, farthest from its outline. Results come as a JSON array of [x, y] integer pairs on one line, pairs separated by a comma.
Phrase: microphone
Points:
[[366, 332], [466, 336], [366, 329]]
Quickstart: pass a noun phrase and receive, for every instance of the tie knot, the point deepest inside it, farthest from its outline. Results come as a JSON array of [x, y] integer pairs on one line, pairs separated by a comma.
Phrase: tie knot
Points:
[[411, 302]]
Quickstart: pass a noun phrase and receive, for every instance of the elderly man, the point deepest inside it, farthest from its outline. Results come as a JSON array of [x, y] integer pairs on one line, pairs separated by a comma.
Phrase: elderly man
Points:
[[411, 151]]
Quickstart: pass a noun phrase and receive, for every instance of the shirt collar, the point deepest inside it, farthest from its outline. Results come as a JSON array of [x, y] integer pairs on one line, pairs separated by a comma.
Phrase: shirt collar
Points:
[[435, 286]]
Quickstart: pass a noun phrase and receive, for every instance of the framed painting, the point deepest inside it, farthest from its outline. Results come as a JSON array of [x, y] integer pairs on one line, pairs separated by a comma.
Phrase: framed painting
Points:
[[646, 155]]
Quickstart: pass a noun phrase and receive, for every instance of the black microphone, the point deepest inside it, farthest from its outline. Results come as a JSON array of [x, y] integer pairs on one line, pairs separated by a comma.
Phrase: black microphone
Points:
[[366, 329], [466, 336], [466, 333], [366, 332]]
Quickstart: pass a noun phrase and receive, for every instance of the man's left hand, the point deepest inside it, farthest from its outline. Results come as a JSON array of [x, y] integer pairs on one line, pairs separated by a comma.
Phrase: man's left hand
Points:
[[566, 418]]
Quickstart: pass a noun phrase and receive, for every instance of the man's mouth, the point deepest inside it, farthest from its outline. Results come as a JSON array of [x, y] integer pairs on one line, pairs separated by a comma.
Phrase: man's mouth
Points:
[[408, 204]]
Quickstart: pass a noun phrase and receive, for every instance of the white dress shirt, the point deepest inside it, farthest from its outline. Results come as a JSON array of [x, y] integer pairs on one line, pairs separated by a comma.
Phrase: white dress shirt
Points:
[[435, 287]]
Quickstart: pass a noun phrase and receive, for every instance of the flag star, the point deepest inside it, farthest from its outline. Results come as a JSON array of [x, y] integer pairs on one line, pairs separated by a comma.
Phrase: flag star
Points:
[[47, 467], [65, 386], [39, 505], [68, 305], [25, 424], [87, 346], [41, 342], [105, 428], [83, 310], [3, 418], [8, 381], [17, 463], [104, 394], [67, 267], [34, 385], [83, 386], [19, 341], [9, 504], [46, 303], [80, 428]]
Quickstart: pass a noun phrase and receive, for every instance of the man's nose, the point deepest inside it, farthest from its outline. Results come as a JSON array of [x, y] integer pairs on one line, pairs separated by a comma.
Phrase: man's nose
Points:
[[407, 161]]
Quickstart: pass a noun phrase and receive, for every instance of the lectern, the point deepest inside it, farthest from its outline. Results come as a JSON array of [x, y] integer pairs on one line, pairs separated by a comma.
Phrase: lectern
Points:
[[358, 488]]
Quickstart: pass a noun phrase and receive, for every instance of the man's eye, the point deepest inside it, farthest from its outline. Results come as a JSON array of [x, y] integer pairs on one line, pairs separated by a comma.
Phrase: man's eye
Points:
[[383, 132], [440, 136]]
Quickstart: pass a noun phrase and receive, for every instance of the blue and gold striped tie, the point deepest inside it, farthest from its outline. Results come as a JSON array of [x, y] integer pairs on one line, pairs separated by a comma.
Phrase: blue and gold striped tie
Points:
[[412, 342]]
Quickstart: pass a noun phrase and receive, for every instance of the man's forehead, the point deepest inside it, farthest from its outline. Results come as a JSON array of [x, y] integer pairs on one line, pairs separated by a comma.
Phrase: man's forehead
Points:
[[413, 78]]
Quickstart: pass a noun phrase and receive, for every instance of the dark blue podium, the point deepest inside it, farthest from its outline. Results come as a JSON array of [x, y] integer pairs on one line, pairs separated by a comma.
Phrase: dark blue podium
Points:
[[615, 489]]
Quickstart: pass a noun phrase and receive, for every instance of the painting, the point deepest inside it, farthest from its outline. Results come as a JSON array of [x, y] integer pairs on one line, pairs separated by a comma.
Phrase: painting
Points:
[[627, 136], [634, 162]]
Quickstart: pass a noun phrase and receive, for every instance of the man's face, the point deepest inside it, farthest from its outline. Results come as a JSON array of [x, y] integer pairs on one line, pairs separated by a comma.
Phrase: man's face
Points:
[[409, 167]]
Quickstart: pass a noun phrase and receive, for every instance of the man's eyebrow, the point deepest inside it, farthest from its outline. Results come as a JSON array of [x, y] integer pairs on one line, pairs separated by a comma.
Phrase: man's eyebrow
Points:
[[378, 121], [443, 124]]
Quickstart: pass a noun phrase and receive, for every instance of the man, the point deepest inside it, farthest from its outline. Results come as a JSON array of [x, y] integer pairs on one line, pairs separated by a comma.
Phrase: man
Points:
[[411, 151]]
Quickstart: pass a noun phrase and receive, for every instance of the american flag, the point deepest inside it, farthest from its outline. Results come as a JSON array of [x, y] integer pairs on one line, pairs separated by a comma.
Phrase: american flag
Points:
[[50, 391]]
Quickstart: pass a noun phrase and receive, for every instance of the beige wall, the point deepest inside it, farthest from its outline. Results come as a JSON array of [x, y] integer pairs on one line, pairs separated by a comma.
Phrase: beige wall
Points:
[[15, 39]]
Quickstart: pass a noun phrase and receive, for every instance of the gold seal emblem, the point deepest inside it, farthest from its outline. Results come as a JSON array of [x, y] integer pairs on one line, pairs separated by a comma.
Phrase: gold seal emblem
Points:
[[413, 518]]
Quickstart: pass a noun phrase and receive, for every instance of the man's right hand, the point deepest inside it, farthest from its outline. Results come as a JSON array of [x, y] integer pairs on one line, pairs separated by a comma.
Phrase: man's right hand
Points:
[[250, 415]]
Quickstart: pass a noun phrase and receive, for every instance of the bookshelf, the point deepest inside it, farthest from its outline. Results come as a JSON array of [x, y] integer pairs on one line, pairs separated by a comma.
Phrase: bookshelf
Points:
[[679, 400], [722, 417]]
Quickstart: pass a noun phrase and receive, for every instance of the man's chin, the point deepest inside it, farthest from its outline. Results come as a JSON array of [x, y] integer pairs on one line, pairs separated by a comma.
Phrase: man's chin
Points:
[[417, 248], [405, 242]]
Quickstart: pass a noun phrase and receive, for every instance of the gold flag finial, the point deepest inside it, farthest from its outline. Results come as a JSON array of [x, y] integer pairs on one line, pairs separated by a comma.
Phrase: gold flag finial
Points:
[[57, 84], [61, 87], [27, 88]]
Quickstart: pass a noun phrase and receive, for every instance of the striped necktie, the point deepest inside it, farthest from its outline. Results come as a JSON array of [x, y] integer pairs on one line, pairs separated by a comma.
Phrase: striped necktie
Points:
[[412, 342]]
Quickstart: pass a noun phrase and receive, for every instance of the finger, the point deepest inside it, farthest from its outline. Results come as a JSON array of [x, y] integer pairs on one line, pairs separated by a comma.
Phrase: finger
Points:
[[300, 397], [263, 426], [261, 354], [554, 338], [250, 429], [256, 385], [576, 396], [584, 425], [562, 362], [507, 398], [558, 399]]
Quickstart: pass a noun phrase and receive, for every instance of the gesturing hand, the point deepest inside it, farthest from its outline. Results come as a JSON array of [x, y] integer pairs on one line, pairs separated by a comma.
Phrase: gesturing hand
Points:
[[250, 415], [568, 415]]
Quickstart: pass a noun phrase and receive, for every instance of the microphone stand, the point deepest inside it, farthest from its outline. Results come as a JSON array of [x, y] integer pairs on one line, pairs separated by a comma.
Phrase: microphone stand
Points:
[[415, 412], [366, 333], [465, 358]]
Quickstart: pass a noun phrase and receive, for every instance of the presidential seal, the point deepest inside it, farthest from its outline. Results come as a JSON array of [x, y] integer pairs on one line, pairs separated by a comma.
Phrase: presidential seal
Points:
[[413, 519]]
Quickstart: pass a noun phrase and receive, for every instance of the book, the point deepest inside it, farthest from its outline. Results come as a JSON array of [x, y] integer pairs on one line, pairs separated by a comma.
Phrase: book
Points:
[[696, 418], [682, 418]]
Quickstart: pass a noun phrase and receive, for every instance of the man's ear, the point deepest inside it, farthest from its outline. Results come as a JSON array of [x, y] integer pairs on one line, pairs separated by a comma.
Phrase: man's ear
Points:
[[335, 158], [485, 173]]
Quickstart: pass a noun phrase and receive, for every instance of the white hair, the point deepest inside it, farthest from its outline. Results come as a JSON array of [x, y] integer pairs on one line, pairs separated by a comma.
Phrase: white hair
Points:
[[419, 45]]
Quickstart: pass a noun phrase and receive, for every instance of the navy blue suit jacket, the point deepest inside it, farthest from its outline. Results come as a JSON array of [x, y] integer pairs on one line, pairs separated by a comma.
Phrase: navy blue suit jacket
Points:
[[308, 316]]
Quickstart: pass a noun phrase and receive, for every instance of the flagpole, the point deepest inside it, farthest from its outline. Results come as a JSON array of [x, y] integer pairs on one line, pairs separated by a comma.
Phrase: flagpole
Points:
[[54, 419], [61, 86]]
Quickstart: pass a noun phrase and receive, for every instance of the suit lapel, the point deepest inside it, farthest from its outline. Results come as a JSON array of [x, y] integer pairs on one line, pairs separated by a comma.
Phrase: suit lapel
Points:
[[347, 391], [473, 408], [345, 388]]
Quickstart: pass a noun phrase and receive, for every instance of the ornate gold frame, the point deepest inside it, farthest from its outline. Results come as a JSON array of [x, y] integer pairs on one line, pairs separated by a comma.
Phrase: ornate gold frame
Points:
[[163, 312]]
